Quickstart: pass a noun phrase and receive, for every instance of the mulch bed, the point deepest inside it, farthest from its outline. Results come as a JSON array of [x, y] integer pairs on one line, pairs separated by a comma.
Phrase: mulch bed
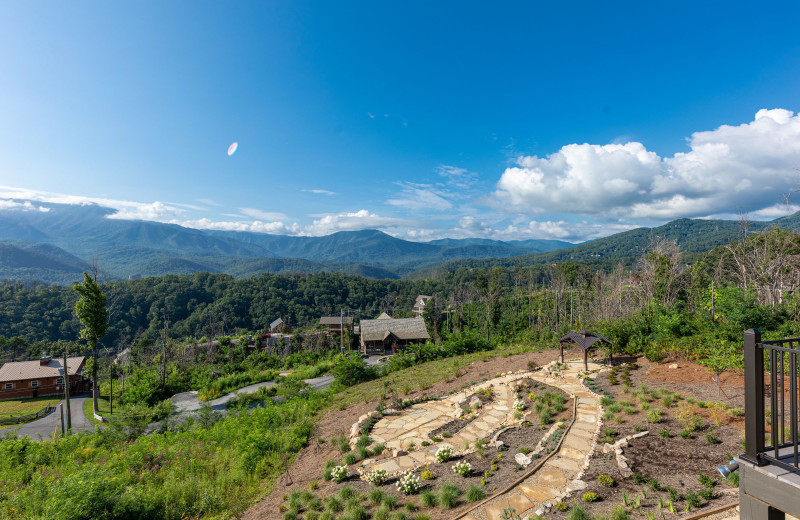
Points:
[[671, 462]]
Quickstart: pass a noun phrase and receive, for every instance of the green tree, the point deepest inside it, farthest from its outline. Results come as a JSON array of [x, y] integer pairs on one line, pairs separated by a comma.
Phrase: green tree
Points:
[[91, 311]]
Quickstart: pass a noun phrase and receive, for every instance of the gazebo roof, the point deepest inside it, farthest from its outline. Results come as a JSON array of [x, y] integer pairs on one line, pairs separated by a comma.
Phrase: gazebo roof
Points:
[[583, 339]]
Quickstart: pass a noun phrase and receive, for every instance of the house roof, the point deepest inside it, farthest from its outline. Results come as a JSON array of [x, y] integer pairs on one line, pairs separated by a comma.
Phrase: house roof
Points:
[[421, 299], [401, 328], [583, 339], [384, 316], [275, 323], [19, 370], [335, 320]]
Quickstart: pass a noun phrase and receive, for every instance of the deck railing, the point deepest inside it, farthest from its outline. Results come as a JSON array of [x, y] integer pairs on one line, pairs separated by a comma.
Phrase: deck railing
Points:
[[774, 441]]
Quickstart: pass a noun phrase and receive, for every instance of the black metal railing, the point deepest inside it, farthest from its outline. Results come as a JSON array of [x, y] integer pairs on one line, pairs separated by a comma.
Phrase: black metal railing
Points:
[[781, 359]]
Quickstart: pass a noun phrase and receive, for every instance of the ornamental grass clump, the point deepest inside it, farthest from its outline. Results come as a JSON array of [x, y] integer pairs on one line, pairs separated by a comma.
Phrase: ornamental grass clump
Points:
[[462, 468], [444, 454], [376, 477], [409, 483]]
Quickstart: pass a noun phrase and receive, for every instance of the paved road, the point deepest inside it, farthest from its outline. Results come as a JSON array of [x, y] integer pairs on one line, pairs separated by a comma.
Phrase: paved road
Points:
[[45, 426]]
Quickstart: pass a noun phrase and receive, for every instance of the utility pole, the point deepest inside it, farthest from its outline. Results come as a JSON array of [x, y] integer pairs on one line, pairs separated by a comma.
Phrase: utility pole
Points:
[[341, 330], [164, 359], [66, 391], [61, 411], [111, 397]]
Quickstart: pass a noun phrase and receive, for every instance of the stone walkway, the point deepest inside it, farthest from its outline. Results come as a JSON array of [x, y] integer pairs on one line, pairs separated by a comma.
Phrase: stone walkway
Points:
[[413, 426], [561, 473]]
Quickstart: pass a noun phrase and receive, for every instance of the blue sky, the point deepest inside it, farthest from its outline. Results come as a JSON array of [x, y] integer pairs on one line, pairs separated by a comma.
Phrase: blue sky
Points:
[[423, 119]]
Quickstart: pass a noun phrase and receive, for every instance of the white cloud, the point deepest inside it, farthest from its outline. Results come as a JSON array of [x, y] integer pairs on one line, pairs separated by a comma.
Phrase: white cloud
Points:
[[748, 165], [23, 206], [321, 192], [353, 221], [275, 228], [420, 197], [263, 215], [126, 209]]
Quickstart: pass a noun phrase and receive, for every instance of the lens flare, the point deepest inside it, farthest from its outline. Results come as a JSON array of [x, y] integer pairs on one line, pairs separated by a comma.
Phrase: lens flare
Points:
[[232, 149]]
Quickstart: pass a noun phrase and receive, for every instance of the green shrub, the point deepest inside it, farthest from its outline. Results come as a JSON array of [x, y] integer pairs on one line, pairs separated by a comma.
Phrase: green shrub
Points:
[[606, 481], [474, 493], [579, 513], [590, 497], [428, 498], [448, 496]]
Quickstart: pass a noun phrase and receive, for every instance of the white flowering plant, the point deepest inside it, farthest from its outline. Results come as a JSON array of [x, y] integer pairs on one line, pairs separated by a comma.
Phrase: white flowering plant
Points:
[[376, 477], [462, 468], [339, 473], [519, 406], [409, 483], [444, 454]]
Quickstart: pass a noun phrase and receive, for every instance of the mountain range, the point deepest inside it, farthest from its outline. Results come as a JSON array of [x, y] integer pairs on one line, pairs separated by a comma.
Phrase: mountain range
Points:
[[57, 244]]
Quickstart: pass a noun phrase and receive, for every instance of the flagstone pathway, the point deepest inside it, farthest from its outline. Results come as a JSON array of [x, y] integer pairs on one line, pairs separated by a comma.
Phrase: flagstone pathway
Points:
[[413, 427], [561, 473]]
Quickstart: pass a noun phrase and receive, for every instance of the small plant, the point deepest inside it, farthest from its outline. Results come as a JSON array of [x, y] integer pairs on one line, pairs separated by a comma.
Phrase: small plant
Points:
[[654, 485], [339, 473], [427, 474], [474, 493], [654, 416], [578, 513], [711, 439], [428, 498], [444, 453], [462, 468], [350, 458], [519, 406], [448, 495], [447, 435], [692, 500], [408, 483], [638, 478], [376, 496], [706, 494], [562, 507], [509, 514], [606, 481], [626, 499], [664, 433], [673, 494], [590, 497], [706, 481], [638, 428], [524, 450], [686, 433], [376, 477]]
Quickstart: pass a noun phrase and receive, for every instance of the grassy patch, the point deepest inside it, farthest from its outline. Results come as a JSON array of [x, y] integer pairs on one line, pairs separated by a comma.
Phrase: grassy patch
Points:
[[423, 375], [18, 407]]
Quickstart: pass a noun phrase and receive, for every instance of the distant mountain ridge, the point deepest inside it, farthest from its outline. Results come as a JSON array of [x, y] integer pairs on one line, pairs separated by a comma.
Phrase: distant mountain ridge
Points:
[[128, 248], [694, 236], [57, 245]]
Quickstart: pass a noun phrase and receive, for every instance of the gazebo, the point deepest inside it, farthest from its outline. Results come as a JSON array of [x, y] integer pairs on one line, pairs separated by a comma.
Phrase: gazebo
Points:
[[585, 340]]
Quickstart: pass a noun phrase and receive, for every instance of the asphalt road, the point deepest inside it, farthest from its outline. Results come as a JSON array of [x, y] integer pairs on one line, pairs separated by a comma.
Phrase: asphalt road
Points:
[[43, 428]]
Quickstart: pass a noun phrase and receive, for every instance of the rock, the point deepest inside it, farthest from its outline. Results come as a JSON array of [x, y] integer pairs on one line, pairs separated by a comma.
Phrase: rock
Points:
[[397, 452], [522, 459], [497, 444], [674, 365], [607, 448], [577, 485], [641, 434]]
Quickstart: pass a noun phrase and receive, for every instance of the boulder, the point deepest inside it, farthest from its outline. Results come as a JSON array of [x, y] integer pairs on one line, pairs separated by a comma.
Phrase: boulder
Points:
[[522, 459]]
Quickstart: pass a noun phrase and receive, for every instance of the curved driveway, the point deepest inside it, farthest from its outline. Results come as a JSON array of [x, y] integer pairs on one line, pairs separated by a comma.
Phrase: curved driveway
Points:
[[43, 428]]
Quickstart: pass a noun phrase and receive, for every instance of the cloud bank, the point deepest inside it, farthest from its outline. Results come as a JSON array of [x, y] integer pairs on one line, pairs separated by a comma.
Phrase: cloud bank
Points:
[[747, 166]]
